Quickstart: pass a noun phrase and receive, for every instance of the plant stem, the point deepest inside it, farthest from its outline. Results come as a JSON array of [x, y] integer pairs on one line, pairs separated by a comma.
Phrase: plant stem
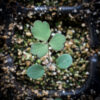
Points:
[[49, 57]]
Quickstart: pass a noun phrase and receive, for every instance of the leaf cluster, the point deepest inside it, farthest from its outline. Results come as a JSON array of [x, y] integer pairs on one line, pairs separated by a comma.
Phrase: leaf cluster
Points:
[[41, 31]]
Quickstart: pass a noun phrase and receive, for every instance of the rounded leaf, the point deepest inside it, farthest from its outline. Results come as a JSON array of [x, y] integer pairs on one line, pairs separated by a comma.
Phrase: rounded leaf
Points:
[[57, 42], [64, 61], [35, 71], [39, 49], [41, 30]]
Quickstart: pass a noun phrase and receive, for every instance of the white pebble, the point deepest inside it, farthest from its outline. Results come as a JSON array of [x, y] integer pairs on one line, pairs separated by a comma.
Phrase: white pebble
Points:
[[19, 13], [83, 25], [23, 72], [30, 14], [28, 34], [76, 75], [58, 71], [0, 9], [52, 34], [71, 84], [70, 42], [54, 73], [59, 32], [86, 49], [50, 48], [73, 31], [97, 31], [67, 81], [99, 52], [45, 62], [70, 74], [52, 67], [27, 25], [67, 75], [87, 73], [58, 82]]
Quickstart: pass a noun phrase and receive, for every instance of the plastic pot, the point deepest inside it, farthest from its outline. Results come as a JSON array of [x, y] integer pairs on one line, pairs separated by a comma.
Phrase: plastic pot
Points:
[[94, 66]]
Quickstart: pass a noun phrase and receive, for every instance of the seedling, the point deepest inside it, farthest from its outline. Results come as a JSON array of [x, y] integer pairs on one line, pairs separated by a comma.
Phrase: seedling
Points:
[[41, 31]]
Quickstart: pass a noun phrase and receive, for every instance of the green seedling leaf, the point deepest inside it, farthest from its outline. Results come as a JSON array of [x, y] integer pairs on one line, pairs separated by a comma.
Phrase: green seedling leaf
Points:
[[35, 71], [57, 99], [64, 61], [41, 30], [39, 49], [57, 42]]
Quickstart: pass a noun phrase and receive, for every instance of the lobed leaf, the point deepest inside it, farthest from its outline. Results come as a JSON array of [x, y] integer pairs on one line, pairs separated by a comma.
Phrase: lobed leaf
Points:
[[39, 49], [64, 61], [57, 42], [41, 30], [35, 71]]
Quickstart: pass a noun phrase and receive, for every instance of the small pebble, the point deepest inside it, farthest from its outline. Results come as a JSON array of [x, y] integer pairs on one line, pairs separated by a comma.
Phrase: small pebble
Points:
[[83, 24], [23, 72], [28, 63], [28, 34], [64, 77], [76, 75], [53, 34], [30, 14], [52, 68], [54, 73], [60, 87], [45, 62], [19, 52], [87, 73]]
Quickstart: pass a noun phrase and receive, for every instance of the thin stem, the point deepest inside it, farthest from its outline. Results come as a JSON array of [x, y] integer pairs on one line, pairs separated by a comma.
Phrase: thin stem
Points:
[[49, 57]]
